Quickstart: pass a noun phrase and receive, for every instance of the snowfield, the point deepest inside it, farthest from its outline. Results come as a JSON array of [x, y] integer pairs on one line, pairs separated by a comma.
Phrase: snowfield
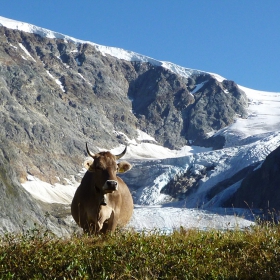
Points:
[[248, 141], [167, 219]]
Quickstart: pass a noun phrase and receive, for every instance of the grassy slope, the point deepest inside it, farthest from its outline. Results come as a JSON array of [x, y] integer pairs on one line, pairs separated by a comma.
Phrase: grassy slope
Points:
[[191, 254]]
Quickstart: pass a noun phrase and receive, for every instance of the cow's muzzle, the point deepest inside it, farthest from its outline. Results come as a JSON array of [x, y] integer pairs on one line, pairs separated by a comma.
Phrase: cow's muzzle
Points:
[[110, 186]]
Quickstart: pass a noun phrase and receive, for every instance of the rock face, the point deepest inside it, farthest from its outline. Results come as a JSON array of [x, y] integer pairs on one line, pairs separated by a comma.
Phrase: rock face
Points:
[[261, 189], [51, 104], [160, 100], [182, 185], [13, 197], [55, 95], [215, 107], [19, 212], [167, 109]]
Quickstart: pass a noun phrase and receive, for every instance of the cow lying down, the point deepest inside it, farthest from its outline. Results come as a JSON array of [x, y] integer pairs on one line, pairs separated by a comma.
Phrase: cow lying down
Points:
[[102, 201]]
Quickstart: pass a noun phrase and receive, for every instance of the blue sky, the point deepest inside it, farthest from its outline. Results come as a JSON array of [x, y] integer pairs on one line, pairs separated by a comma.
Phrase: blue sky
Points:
[[239, 40]]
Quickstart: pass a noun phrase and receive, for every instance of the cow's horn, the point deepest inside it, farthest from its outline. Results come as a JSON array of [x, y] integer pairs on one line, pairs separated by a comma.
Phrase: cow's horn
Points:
[[89, 152], [121, 154]]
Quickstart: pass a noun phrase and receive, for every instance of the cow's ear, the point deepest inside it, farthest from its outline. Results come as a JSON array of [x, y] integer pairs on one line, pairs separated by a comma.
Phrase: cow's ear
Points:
[[124, 166], [88, 165]]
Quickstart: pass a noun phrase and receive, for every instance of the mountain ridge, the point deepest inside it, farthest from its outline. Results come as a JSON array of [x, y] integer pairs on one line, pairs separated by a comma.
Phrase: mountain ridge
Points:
[[113, 51]]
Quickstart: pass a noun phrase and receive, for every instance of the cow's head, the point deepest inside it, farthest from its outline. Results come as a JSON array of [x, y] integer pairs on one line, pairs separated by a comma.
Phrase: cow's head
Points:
[[105, 167]]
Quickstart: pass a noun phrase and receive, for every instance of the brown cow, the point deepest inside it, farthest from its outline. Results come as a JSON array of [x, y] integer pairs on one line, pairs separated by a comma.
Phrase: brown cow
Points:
[[102, 201]]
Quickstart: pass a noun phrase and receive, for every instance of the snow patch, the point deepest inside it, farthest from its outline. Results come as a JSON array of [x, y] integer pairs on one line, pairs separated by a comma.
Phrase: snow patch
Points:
[[147, 151], [128, 140], [12, 46], [56, 80], [198, 87], [26, 51], [142, 136], [84, 79], [217, 77], [263, 117], [62, 194]]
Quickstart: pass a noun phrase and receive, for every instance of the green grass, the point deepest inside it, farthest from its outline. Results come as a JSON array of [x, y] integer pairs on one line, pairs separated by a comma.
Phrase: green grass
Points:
[[185, 254]]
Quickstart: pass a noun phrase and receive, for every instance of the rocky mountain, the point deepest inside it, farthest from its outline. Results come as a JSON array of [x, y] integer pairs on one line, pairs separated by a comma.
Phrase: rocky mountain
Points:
[[260, 189], [57, 93], [19, 211]]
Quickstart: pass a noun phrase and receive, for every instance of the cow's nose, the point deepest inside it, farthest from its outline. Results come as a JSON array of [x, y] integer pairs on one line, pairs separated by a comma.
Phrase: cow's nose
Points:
[[112, 185]]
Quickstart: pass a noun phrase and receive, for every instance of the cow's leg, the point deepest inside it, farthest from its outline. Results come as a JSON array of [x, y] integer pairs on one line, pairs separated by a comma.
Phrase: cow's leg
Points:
[[112, 222], [82, 219], [104, 214], [86, 230], [89, 227]]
